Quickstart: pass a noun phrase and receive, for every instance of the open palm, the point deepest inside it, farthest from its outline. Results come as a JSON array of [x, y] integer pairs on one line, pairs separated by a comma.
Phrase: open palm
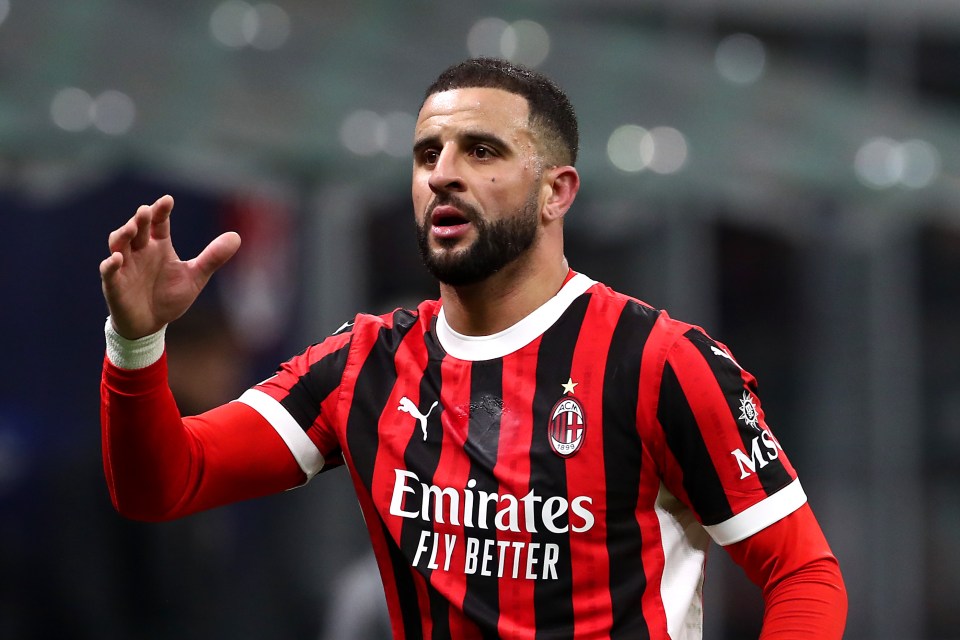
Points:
[[145, 283]]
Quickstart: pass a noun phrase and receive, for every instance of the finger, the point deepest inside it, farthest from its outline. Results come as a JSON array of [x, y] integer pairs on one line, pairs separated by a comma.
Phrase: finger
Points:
[[143, 220], [216, 254], [119, 239], [111, 265], [162, 209]]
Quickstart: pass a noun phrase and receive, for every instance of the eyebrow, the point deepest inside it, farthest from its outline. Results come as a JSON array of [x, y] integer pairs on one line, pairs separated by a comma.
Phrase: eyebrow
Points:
[[466, 138]]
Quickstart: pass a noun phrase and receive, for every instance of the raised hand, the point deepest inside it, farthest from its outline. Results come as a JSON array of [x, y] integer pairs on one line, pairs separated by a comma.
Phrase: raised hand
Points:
[[145, 283]]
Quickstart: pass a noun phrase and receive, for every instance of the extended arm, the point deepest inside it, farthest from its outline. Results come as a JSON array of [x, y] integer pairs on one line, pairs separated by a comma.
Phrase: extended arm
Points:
[[159, 465], [803, 591]]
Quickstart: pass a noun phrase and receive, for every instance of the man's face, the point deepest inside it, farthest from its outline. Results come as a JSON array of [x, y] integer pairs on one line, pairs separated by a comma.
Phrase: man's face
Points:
[[476, 183]]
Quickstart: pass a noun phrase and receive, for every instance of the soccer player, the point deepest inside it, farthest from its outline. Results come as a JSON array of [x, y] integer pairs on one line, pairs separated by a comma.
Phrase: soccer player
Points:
[[535, 454]]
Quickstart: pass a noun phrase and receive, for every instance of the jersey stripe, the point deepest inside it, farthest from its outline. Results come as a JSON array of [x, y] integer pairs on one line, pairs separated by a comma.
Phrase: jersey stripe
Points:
[[406, 590], [301, 446], [588, 468], [685, 441], [553, 604], [304, 398], [481, 603], [453, 471], [513, 471], [734, 382], [371, 392], [624, 462], [447, 588], [435, 607], [419, 368], [654, 468]]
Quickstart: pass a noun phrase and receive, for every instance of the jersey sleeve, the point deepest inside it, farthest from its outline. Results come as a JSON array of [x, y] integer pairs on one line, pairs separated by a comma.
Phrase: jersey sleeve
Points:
[[160, 466], [720, 456], [803, 590], [300, 402]]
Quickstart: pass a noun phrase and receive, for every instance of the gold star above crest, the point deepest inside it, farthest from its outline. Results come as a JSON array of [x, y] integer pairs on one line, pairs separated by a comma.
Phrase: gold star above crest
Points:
[[569, 385]]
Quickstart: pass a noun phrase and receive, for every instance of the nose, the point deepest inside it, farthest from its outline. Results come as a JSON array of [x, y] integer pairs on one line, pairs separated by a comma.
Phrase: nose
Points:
[[445, 175]]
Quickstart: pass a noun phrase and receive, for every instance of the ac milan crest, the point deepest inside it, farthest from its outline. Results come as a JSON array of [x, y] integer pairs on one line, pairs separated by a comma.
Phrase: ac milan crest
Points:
[[567, 427]]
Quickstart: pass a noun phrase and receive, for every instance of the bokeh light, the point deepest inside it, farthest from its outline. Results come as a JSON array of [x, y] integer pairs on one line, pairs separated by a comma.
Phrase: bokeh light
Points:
[[367, 133], [525, 41], [363, 132], [623, 148], [485, 36], [667, 149], [71, 109], [226, 23], [74, 110], [740, 58], [399, 126], [113, 112], [266, 26], [236, 24], [632, 148], [921, 164], [882, 163]]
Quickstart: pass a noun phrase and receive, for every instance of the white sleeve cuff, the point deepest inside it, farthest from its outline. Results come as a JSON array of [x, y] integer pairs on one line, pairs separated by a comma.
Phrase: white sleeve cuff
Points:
[[759, 516], [133, 354]]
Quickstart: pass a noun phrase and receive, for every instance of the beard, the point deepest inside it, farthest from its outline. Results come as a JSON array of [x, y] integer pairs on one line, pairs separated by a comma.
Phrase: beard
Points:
[[497, 243]]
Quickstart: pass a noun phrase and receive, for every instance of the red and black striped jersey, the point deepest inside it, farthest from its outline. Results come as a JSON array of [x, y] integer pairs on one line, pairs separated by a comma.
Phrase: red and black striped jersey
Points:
[[559, 479]]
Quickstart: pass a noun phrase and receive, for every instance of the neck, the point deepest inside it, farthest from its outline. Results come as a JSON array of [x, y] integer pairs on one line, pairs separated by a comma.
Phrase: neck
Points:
[[503, 299]]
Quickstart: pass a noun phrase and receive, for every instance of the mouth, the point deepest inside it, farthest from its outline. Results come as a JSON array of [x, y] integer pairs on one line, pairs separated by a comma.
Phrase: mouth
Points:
[[447, 216], [448, 222]]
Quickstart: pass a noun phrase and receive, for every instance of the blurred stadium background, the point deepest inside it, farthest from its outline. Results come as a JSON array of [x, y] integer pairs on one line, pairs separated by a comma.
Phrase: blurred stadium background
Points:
[[785, 173]]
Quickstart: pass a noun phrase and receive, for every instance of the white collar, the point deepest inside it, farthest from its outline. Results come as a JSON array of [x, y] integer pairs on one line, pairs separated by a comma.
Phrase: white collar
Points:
[[517, 336]]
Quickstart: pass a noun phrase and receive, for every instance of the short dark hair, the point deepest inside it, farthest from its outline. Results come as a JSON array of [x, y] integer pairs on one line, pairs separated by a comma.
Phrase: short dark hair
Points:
[[550, 108]]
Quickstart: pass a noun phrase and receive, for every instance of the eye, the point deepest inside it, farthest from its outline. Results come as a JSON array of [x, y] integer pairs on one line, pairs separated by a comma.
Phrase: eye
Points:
[[482, 152], [429, 156]]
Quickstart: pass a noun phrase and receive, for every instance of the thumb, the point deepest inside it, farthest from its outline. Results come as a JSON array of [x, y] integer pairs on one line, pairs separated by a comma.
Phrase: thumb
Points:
[[216, 254]]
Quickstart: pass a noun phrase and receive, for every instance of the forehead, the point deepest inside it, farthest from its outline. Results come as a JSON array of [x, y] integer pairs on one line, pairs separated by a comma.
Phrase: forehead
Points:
[[474, 107]]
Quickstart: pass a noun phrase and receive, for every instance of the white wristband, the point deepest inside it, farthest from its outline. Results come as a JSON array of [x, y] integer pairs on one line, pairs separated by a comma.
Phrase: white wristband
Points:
[[133, 354]]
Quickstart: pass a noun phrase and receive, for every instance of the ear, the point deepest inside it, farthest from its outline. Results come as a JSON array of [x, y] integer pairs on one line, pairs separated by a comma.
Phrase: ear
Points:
[[562, 185]]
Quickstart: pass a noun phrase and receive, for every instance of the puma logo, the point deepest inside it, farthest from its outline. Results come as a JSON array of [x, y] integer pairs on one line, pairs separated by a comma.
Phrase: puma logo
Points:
[[406, 404]]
